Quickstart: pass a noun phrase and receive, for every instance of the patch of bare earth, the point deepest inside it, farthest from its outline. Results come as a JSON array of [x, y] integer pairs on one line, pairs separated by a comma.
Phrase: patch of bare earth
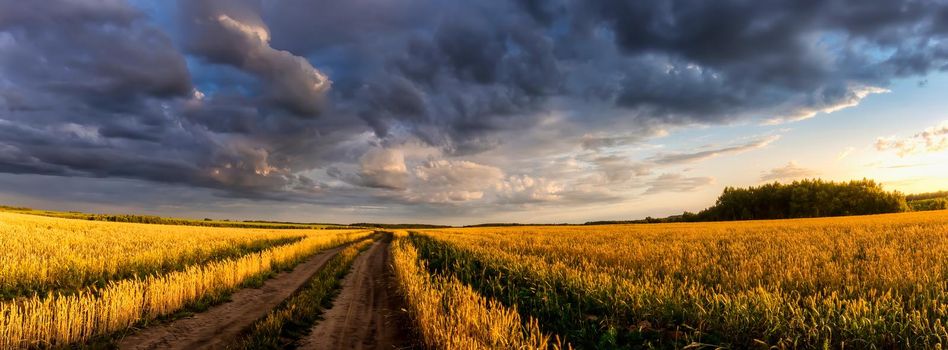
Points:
[[220, 325], [366, 314]]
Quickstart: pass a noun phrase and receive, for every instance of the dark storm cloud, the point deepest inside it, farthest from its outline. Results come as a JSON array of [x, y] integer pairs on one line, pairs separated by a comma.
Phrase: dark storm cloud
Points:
[[457, 86], [772, 44], [454, 74], [74, 75], [258, 98], [89, 55], [231, 33], [451, 74], [95, 89]]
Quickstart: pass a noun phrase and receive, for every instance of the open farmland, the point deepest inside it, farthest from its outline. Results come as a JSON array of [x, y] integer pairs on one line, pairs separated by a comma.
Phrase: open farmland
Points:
[[43, 254], [473, 175], [877, 281], [856, 282], [70, 281]]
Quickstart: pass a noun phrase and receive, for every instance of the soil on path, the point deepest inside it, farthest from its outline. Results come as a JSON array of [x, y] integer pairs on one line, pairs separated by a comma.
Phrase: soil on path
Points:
[[366, 314], [219, 326]]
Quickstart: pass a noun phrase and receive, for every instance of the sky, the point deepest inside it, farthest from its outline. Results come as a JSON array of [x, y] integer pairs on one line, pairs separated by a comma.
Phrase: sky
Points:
[[461, 112]]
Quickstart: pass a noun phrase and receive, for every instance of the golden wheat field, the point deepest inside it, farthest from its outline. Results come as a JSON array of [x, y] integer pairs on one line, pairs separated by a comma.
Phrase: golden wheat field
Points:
[[43, 253], [867, 282], [473, 175], [451, 315], [141, 272], [855, 282]]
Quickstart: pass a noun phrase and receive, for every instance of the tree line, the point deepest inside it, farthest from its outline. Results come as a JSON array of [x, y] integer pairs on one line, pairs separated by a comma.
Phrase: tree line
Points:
[[804, 199], [928, 201], [927, 195], [151, 219]]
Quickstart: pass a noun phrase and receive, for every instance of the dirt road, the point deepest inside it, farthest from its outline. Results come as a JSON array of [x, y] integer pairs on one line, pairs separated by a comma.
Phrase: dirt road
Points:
[[366, 314], [219, 326]]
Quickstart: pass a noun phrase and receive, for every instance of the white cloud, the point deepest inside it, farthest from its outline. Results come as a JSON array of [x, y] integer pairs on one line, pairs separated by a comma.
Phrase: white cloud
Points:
[[933, 139], [790, 171], [845, 153], [676, 183], [613, 169], [451, 181], [383, 168], [853, 96], [259, 32], [680, 158], [603, 140], [527, 189]]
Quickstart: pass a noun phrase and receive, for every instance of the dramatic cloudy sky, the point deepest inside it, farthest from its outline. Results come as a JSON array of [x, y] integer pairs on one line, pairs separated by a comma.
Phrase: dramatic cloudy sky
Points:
[[461, 111]]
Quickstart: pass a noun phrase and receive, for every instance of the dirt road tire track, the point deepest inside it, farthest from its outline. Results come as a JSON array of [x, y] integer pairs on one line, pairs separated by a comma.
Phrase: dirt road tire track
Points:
[[366, 314], [217, 327]]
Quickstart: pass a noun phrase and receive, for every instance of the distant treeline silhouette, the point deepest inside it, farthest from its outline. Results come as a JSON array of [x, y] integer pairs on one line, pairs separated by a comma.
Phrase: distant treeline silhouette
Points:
[[151, 219], [804, 199], [929, 204], [396, 226], [927, 195], [798, 199], [928, 201]]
